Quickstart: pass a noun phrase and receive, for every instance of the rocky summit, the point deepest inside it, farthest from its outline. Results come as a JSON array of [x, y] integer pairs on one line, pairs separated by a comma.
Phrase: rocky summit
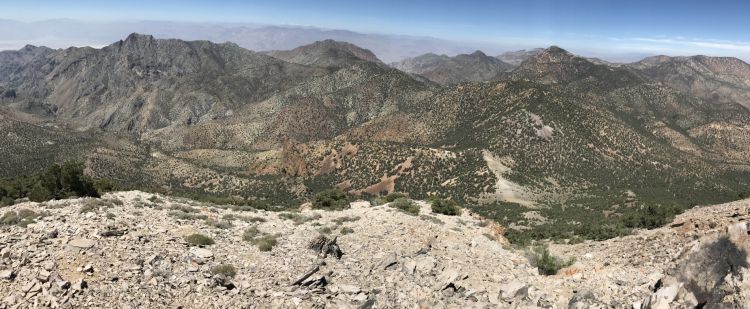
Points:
[[139, 250]]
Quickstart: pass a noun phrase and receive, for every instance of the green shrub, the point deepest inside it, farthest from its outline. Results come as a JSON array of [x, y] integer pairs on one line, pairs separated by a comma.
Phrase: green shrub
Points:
[[346, 230], [405, 205], [219, 224], [58, 181], [104, 185], [187, 216], [40, 193], [394, 196], [250, 233], [341, 220], [199, 240], [446, 207], [224, 269], [253, 219], [332, 199], [183, 208], [265, 242], [298, 218], [7, 201], [546, 263], [651, 216]]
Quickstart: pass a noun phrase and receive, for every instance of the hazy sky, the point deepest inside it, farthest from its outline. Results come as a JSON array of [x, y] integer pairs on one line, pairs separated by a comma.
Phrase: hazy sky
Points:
[[716, 27]]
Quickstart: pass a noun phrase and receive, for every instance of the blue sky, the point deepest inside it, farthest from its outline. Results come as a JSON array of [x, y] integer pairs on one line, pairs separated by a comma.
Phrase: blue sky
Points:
[[716, 27]]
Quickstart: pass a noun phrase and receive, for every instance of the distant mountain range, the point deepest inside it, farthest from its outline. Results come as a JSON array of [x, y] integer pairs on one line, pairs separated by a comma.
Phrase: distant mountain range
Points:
[[547, 132], [62, 33]]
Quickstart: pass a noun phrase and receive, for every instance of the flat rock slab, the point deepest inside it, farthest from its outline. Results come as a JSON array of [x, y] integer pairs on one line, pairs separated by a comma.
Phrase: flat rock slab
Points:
[[202, 253], [81, 243]]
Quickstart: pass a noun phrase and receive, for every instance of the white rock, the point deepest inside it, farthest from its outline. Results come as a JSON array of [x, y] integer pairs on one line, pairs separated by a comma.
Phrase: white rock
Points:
[[81, 243], [513, 290], [738, 233], [409, 266], [348, 289], [7, 274], [202, 253]]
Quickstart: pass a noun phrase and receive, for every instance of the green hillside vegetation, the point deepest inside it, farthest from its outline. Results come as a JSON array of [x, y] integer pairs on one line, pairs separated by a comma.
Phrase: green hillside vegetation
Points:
[[57, 182]]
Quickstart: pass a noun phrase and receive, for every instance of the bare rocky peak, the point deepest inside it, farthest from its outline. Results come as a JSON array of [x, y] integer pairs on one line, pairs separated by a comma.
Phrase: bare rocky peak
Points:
[[555, 65], [327, 53]]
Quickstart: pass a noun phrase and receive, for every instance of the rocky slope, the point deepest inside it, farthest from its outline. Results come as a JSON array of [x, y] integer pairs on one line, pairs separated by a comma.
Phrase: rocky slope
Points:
[[130, 249], [327, 54], [719, 80], [140, 83], [445, 70]]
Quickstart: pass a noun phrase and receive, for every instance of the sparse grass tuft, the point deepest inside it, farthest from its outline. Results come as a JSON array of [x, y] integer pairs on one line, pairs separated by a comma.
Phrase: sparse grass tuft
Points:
[[341, 220], [266, 242], [346, 230], [187, 216], [219, 224], [199, 240], [299, 218], [250, 233], [183, 208], [224, 269], [432, 219]]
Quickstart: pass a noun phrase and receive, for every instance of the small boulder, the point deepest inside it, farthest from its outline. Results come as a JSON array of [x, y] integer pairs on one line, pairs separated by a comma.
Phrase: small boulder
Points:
[[81, 243], [348, 289], [514, 289], [326, 247], [738, 233], [201, 255], [7, 274]]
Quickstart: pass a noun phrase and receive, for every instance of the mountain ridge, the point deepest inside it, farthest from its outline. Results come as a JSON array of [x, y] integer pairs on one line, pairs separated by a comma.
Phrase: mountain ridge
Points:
[[557, 132], [446, 70]]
